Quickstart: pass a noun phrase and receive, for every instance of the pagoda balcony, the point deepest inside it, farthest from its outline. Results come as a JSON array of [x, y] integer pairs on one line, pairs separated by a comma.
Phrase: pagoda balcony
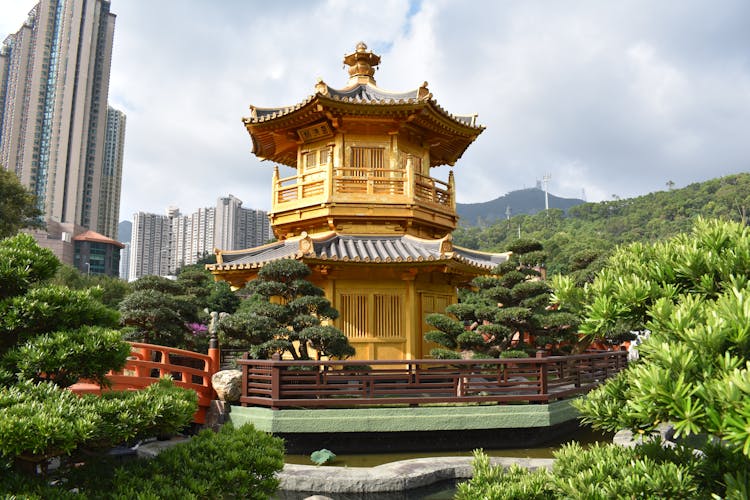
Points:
[[362, 185]]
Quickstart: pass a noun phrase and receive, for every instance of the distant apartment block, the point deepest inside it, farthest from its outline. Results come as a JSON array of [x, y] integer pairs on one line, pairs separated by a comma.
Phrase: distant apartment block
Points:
[[162, 244], [111, 180], [149, 245], [125, 262], [57, 132]]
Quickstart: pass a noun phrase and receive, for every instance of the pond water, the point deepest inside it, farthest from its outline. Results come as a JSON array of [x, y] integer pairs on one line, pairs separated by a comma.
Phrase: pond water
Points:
[[444, 490], [583, 436]]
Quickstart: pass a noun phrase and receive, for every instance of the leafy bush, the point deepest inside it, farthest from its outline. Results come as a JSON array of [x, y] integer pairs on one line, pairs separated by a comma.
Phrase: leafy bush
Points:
[[233, 463], [503, 310], [514, 353], [157, 317], [44, 420], [161, 409], [496, 483], [597, 472], [23, 263], [49, 308], [64, 357]]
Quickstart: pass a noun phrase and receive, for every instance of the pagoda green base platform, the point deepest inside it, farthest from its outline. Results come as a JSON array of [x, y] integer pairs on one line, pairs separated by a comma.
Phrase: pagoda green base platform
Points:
[[368, 430]]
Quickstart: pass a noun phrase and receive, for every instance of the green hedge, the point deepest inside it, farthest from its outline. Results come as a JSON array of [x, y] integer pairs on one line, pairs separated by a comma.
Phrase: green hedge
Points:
[[233, 463]]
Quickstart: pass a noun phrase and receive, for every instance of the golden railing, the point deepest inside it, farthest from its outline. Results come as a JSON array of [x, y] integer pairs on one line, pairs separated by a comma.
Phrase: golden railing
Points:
[[369, 181], [429, 190], [359, 184]]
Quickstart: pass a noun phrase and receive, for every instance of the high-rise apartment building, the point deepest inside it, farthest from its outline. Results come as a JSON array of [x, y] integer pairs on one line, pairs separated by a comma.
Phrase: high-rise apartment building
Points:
[[111, 181], [150, 245], [54, 81], [191, 237], [226, 231]]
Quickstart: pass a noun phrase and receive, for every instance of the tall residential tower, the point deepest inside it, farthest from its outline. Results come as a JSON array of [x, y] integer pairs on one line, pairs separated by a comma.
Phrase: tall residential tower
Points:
[[54, 81]]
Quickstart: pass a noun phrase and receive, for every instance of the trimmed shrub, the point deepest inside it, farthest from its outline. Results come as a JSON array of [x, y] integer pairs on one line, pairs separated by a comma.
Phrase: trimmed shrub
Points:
[[233, 463], [64, 357]]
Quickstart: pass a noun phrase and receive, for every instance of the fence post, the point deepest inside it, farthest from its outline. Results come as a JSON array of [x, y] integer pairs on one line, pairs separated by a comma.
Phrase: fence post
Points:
[[215, 354], [275, 381], [144, 354], [540, 354], [244, 380], [215, 364]]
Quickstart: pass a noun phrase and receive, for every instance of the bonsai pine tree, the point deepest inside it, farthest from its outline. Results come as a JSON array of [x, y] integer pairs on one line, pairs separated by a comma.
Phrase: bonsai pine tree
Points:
[[502, 311], [285, 313], [50, 337], [167, 312], [157, 312]]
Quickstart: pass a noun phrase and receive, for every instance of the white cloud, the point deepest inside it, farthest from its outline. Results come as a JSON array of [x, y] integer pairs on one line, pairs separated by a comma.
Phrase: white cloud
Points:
[[611, 98]]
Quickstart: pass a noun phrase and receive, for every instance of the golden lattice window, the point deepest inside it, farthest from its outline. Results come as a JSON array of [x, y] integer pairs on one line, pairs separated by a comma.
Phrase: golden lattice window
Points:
[[375, 314], [371, 158], [387, 317], [311, 160], [353, 314]]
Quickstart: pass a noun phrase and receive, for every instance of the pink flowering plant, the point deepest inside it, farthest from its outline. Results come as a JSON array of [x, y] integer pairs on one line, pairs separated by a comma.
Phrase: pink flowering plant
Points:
[[197, 337]]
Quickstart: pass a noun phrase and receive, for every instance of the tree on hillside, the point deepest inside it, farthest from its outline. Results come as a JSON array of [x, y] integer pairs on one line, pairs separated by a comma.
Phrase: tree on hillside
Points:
[[18, 207], [285, 313], [502, 310], [602, 226]]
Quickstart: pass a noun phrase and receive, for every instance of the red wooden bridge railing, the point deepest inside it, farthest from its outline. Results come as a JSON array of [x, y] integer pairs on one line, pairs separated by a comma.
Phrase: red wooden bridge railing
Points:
[[147, 363]]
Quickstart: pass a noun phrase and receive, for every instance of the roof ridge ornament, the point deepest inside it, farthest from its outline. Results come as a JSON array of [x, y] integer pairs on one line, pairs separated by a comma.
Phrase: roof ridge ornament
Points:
[[321, 87], [423, 93], [306, 244], [362, 64]]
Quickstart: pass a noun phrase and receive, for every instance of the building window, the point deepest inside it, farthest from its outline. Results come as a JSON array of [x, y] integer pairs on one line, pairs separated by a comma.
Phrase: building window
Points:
[[353, 315], [376, 314], [368, 158], [387, 317]]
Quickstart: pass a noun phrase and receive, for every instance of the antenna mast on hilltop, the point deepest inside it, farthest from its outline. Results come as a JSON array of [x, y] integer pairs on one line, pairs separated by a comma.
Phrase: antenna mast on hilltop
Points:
[[545, 180]]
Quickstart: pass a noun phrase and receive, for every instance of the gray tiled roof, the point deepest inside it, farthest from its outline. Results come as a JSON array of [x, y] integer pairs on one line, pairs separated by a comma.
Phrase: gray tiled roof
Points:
[[370, 93], [347, 248], [362, 93]]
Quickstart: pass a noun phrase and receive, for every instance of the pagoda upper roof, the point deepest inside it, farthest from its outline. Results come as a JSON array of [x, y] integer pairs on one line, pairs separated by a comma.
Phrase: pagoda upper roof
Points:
[[337, 247], [362, 93], [273, 130]]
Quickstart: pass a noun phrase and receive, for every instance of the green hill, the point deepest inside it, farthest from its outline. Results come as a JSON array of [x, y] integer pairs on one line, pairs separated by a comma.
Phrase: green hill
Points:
[[522, 201], [600, 226]]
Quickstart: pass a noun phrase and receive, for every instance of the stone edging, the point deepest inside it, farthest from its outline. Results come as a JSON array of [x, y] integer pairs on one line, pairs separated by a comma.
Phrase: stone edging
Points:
[[394, 476]]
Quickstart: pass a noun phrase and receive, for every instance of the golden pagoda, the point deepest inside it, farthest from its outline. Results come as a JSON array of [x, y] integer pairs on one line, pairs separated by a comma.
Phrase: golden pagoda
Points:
[[362, 210]]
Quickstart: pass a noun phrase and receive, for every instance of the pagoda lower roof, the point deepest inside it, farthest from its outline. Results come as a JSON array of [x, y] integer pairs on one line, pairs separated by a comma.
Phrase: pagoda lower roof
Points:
[[336, 247]]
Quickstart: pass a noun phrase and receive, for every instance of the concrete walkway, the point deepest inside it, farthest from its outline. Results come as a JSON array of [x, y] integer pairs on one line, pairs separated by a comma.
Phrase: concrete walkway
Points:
[[394, 476]]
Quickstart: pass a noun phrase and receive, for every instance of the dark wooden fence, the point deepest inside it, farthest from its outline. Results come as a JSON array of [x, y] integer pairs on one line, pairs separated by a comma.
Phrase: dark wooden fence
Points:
[[286, 384]]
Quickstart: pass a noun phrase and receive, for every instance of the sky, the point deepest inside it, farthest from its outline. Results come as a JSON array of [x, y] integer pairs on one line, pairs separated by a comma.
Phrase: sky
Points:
[[611, 99]]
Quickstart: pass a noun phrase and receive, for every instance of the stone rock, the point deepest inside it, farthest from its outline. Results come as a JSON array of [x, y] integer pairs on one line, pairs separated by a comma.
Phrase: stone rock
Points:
[[664, 431], [228, 385]]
